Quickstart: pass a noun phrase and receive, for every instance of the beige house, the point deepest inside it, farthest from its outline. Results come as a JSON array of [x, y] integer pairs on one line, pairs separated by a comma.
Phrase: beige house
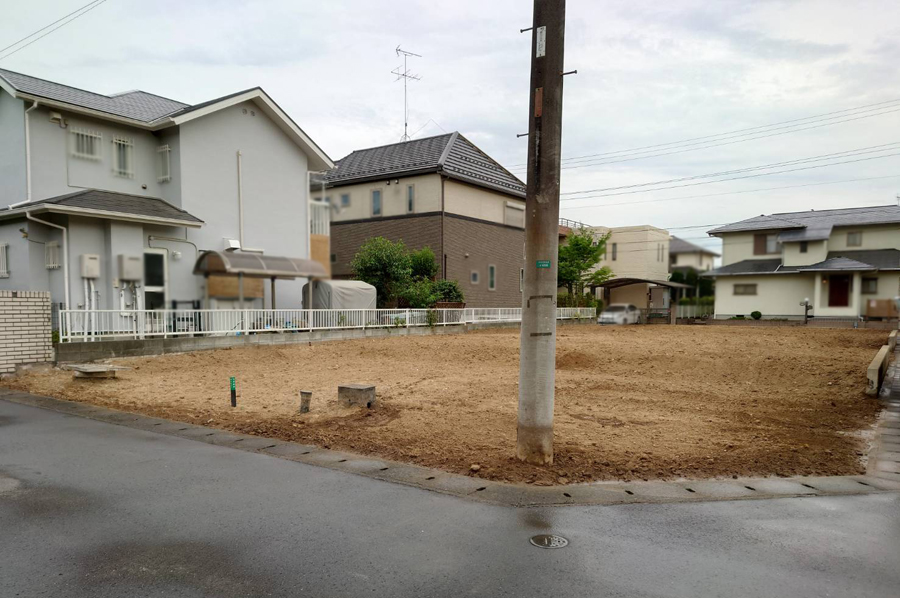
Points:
[[440, 192], [684, 255], [640, 253], [845, 262]]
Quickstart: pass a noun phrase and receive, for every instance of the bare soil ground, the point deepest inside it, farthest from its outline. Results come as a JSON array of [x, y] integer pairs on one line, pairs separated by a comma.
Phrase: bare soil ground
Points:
[[639, 402]]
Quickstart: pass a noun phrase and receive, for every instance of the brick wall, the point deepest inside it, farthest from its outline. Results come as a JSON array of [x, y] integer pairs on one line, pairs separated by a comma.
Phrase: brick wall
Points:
[[415, 231], [25, 335], [485, 244]]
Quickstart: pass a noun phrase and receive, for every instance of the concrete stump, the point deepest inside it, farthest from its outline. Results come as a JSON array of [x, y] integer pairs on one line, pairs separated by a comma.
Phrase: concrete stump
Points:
[[356, 394], [305, 398]]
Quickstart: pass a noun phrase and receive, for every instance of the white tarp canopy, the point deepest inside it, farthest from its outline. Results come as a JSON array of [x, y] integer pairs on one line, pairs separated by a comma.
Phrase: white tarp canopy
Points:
[[341, 294]]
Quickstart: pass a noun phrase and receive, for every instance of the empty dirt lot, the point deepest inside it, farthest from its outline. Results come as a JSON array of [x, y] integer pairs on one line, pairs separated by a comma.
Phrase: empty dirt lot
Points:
[[638, 402]]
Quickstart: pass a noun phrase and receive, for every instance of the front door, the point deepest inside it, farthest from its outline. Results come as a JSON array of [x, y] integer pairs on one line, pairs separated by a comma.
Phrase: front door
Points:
[[839, 290]]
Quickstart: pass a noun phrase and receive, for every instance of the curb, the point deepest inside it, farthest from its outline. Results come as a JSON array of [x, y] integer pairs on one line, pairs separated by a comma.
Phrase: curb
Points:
[[486, 491]]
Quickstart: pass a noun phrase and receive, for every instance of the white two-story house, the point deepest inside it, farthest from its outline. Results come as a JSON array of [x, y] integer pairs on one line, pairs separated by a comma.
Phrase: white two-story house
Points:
[[106, 200], [845, 262]]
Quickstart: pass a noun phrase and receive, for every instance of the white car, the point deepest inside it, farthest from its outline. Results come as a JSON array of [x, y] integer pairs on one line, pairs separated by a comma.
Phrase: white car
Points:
[[620, 313]]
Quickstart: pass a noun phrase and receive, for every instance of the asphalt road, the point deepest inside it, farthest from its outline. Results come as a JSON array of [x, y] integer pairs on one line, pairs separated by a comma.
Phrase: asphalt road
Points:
[[94, 509]]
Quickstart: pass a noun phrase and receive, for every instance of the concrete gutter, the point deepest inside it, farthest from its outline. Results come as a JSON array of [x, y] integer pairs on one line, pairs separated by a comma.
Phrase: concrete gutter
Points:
[[476, 489]]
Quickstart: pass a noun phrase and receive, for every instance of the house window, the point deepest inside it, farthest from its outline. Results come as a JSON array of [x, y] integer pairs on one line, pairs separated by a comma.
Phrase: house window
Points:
[[410, 198], [333, 258], [854, 239], [521, 279], [492, 278], [123, 157], [163, 164], [4, 260], [804, 246], [745, 289], [327, 200], [869, 286], [614, 251], [474, 278], [86, 144], [766, 244], [376, 202], [345, 200], [51, 255]]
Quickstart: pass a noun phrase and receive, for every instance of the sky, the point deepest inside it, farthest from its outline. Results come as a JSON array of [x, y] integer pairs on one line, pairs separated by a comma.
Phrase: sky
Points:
[[649, 74]]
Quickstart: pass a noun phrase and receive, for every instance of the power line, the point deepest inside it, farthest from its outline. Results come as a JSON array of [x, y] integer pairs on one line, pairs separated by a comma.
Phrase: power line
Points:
[[746, 176], [746, 131], [81, 12], [628, 203], [842, 154]]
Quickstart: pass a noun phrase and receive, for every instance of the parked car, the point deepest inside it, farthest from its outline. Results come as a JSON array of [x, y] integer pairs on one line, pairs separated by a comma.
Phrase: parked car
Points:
[[620, 313]]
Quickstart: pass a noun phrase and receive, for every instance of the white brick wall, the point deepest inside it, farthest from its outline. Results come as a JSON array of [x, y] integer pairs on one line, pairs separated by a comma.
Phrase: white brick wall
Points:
[[25, 335]]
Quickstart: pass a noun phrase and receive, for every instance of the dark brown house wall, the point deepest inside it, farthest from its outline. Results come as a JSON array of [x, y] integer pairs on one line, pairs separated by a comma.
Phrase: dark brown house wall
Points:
[[485, 243], [416, 231]]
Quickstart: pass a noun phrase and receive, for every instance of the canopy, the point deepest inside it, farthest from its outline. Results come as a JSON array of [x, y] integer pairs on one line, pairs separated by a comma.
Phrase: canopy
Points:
[[614, 283], [257, 265], [341, 294]]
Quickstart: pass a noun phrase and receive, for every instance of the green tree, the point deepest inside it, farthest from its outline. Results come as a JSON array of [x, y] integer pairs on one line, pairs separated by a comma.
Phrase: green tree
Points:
[[385, 265], [420, 294], [578, 259], [448, 290], [423, 264]]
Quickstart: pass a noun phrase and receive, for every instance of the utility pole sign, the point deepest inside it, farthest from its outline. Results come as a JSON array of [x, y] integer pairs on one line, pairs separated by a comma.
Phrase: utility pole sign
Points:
[[537, 354]]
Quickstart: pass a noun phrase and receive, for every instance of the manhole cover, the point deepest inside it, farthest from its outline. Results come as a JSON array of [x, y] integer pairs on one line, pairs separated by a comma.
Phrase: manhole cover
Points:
[[549, 541]]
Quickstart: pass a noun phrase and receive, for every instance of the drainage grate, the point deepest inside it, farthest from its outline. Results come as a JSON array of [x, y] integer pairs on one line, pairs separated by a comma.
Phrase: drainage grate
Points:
[[548, 541]]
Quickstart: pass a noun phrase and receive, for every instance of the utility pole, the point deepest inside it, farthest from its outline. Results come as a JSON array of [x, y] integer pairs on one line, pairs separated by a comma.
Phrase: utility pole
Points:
[[537, 345], [403, 73]]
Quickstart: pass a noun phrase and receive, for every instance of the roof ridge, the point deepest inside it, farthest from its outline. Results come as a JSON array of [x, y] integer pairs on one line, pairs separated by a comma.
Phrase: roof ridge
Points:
[[149, 93], [366, 149], [492, 160], [832, 210]]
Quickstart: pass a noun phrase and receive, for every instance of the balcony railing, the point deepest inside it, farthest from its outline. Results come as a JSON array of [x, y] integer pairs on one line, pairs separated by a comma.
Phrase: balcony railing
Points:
[[319, 218]]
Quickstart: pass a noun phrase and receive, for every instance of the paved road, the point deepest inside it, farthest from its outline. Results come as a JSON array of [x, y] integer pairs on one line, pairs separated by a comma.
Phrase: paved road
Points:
[[93, 509]]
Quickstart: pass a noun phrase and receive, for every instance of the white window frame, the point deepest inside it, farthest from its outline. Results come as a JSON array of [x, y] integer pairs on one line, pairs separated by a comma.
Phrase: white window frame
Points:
[[745, 287], [164, 289], [86, 137], [347, 204], [51, 255], [4, 260], [615, 251], [380, 193], [163, 164], [869, 279], [772, 244], [521, 279], [492, 277], [474, 277], [410, 199], [859, 236], [125, 171]]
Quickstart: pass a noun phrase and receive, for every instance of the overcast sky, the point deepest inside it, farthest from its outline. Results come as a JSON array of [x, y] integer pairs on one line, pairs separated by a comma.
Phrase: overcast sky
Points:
[[648, 73]]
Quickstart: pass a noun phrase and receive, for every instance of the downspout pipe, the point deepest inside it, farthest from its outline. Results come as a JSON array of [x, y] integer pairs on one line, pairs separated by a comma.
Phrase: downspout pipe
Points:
[[27, 158], [240, 190], [65, 240]]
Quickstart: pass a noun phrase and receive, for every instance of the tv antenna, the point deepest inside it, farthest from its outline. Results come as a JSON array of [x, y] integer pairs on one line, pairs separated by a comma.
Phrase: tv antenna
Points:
[[402, 72]]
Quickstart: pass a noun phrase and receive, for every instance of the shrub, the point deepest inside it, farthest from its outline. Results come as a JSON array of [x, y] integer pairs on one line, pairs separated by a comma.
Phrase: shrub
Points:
[[708, 300], [384, 265], [687, 301], [423, 264], [431, 318], [756, 315], [419, 294], [449, 291]]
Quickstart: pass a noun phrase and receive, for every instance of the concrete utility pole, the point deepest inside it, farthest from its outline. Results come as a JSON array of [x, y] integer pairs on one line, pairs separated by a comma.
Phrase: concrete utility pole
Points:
[[537, 353]]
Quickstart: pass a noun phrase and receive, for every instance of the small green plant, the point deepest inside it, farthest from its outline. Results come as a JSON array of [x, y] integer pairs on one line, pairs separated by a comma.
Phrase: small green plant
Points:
[[54, 337], [342, 319], [431, 318], [736, 318], [756, 315], [398, 322]]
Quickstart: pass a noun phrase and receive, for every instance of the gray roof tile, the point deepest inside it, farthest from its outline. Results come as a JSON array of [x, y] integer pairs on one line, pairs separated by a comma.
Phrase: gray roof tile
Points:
[[883, 259], [815, 223], [836, 263], [677, 245], [746, 267], [134, 205], [450, 154], [137, 105]]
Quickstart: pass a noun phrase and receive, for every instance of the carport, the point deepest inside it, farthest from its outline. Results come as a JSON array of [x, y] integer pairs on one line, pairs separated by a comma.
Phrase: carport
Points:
[[660, 311], [255, 265]]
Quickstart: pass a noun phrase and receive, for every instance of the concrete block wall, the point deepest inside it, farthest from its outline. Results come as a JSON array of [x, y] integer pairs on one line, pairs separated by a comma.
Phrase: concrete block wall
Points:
[[25, 333]]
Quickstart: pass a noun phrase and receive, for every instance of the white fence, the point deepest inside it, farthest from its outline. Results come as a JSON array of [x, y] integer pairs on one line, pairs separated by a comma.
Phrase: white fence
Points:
[[110, 324], [694, 311]]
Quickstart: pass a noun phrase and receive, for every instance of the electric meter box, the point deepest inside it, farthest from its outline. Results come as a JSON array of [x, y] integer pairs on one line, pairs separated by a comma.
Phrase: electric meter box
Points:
[[90, 265], [131, 268]]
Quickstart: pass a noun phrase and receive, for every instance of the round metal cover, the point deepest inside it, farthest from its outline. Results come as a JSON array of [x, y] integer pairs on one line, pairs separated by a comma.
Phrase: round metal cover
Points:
[[549, 541]]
